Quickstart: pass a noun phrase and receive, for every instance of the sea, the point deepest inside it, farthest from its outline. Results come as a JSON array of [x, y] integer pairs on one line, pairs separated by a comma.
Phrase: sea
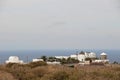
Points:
[[28, 55]]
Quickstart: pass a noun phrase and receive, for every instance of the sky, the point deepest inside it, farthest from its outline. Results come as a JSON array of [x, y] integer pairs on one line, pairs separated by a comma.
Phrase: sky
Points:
[[59, 24]]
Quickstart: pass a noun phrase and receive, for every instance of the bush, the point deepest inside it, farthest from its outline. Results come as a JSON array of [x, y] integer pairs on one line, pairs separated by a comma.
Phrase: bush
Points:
[[37, 64], [9, 65], [61, 75], [54, 72], [39, 71]]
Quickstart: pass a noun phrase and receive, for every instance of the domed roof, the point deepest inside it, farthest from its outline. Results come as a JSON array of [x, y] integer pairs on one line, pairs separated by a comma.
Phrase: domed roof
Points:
[[14, 58], [103, 53]]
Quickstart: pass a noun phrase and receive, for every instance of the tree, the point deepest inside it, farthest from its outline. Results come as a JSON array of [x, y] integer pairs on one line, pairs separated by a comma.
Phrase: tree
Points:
[[115, 62], [69, 61], [63, 61], [44, 58], [51, 59], [36, 64], [88, 59]]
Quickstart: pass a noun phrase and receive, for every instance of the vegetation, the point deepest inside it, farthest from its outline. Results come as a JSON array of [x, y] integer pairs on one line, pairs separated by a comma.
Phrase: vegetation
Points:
[[69, 61], [41, 71], [62, 61], [44, 58], [52, 59]]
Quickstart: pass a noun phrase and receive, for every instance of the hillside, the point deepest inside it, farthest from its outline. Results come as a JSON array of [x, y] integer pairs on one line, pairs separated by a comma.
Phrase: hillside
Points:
[[42, 71]]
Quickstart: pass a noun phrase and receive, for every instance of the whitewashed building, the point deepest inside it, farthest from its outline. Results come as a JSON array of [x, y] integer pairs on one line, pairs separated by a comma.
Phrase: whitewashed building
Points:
[[36, 60], [81, 57], [62, 57], [14, 59], [90, 55], [74, 56], [103, 58], [104, 61], [53, 63]]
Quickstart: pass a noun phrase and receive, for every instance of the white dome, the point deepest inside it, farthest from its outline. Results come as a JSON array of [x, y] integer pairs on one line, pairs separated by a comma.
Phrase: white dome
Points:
[[36, 60], [13, 58], [103, 53]]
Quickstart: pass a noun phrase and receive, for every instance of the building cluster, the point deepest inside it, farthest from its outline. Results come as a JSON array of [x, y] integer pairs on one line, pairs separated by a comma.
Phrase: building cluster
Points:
[[82, 57], [87, 57]]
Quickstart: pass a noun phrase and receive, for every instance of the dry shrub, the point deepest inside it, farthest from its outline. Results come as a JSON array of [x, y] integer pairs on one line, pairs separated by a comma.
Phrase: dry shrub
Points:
[[37, 64], [6, 76], [60, 75], [59, 72], [39, 71]]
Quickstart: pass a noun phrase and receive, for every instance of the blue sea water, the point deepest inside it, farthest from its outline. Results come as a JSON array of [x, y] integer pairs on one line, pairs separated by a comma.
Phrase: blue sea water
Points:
[[28, 55]]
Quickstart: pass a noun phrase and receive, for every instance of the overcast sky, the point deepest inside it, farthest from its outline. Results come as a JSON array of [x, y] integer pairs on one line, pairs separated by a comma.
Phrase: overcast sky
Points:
[[59, 24]]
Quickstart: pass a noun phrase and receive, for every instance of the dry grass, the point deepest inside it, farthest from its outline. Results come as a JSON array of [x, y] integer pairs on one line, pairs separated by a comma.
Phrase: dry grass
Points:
[[57, 72], [6, 76]]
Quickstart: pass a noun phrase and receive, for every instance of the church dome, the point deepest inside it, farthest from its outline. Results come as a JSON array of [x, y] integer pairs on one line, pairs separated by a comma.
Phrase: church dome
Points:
[[103, 53]]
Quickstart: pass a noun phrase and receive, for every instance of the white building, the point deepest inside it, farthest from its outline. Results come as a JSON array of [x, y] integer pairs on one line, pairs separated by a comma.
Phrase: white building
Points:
[[81, 57], [36, 60], [90, 55], [75, 56], [53, 63], [103, 58], [14, 59], [104, 61], [62, 57]]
